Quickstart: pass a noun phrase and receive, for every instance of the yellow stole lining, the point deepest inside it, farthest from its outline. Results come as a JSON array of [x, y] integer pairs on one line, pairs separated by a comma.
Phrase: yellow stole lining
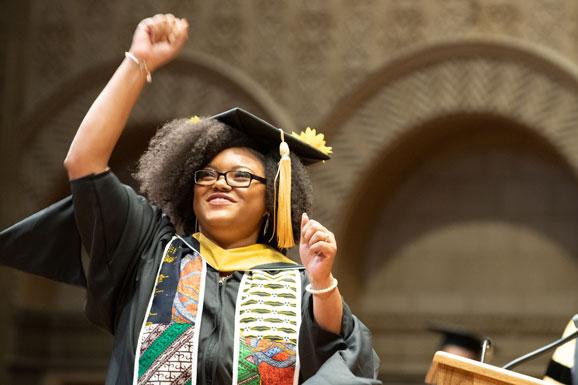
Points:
[[240, 258]]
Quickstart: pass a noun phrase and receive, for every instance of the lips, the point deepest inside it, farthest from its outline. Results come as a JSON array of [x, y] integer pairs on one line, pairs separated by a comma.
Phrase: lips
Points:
[[220, 199]]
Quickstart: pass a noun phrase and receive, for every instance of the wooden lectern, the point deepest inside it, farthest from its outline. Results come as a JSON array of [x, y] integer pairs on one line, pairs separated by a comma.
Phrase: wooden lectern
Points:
[[449, 369]]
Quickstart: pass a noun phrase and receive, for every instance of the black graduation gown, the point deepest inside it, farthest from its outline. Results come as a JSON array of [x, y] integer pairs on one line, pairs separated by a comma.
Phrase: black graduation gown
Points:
[[125, 237], [45, 244]]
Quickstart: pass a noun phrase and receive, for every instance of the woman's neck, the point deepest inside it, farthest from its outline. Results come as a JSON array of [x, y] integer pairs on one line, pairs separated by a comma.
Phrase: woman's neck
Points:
[[226, 241]]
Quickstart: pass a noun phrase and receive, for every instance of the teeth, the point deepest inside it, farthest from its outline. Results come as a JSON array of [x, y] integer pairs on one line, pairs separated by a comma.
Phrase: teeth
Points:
[[219, 199]]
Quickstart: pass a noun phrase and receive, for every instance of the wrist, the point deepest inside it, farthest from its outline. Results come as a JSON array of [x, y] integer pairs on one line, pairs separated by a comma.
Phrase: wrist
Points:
[[140, 63], [321, 282], [322, 286]]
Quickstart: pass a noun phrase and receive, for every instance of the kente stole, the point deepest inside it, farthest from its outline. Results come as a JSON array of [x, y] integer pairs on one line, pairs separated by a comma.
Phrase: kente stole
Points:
[[267, 316]]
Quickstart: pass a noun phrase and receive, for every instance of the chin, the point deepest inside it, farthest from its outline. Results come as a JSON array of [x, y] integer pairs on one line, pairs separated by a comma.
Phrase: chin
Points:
[[219, 221]]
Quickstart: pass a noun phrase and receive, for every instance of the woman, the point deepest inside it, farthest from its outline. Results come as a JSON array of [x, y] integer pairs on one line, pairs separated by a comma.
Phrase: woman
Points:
[[195, 286]]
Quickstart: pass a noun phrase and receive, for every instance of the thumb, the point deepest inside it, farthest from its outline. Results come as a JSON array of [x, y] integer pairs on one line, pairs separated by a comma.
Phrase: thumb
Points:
[[304, 222]]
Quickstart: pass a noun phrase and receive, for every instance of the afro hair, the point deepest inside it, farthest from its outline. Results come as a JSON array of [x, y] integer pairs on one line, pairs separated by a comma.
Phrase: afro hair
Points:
[[182, 146]]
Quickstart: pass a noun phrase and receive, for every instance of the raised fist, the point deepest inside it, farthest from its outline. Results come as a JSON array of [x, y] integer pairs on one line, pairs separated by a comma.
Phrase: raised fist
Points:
[[159, 39]]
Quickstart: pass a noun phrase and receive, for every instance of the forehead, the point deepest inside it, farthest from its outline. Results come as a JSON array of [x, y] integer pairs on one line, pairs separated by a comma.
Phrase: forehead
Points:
[[237, 157]]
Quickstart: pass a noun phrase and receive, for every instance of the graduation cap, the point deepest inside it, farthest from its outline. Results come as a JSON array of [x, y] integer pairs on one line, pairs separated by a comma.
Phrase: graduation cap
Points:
[[454, 336], [270, 136], [308, 146]]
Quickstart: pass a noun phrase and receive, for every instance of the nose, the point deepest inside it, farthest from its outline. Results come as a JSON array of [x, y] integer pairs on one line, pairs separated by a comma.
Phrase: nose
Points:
[[221, 183]]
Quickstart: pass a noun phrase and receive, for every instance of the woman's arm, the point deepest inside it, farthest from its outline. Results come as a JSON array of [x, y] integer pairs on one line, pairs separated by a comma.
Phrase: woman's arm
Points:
[[329, 354], [156, 41], [317, 249]]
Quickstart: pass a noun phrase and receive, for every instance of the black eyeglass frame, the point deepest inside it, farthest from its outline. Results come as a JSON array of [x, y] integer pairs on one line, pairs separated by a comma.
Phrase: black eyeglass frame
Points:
[[224, 174]]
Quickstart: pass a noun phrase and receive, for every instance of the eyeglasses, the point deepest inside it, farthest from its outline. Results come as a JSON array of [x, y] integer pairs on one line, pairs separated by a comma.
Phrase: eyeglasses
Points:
[[233, 178]]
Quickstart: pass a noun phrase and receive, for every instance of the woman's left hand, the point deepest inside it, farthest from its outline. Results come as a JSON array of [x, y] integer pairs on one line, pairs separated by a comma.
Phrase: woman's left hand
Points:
[[317, 249]]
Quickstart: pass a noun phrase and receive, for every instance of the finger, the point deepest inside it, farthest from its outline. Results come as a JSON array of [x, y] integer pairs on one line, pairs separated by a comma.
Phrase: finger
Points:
[[304, 221], [161, 26], [171, 28], [323, 249], [318, 249], [156, 28], [309, 230], [182, 33], [145, 25], [319, 236], [166, 29], [314, 226], [158, 18], [156, 22], [312, 229], [305, 225]]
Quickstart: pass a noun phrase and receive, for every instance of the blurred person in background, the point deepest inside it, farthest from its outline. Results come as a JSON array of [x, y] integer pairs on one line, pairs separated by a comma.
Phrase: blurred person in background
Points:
[[459, 341]]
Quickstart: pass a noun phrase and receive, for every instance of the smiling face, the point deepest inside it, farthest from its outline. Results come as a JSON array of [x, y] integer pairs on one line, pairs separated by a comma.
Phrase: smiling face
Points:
[[232, 216]]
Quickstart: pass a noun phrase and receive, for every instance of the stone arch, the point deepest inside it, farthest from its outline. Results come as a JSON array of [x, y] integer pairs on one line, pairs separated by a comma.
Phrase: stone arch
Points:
[[475, 226], [532, 87], [526, 93]]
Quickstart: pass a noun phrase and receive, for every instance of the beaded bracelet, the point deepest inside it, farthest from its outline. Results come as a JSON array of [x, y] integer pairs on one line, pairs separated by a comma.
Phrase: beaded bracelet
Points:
[[142, 65], [322, 291]]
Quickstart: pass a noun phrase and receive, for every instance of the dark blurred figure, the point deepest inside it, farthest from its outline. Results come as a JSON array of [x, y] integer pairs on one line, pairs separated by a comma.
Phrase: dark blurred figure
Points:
[[459, 341]]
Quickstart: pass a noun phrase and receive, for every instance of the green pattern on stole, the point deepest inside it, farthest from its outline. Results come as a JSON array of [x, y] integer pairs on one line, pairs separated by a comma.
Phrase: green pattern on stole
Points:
[[268, 316]]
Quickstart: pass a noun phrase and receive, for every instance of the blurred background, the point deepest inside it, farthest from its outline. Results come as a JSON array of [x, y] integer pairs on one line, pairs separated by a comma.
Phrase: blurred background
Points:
[[452, 189]]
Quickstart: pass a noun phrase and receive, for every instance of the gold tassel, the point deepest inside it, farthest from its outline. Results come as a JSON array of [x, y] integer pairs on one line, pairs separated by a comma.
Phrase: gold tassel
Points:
[[284, 226]]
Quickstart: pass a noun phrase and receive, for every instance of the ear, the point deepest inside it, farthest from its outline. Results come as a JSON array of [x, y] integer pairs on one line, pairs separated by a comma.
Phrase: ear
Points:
[[267, 223]]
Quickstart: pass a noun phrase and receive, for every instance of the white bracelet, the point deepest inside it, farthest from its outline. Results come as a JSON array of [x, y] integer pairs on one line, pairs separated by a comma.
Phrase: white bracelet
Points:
[[142, 65], [322, 291]]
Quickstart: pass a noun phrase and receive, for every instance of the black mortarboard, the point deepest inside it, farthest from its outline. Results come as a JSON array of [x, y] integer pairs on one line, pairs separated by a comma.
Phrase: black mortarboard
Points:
[[268, 135], [308, 146], [458, 337]]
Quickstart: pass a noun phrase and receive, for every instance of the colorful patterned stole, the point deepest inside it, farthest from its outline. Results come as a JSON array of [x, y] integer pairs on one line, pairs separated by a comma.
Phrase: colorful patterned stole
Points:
[[267, 318], [168, 342]]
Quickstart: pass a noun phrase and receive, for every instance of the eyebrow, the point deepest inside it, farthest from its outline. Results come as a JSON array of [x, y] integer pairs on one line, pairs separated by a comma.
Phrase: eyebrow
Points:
[[232, 169]]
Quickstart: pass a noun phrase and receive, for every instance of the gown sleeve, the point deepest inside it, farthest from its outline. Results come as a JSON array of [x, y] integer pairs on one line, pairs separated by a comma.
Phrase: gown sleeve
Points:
[[47, 244], [116, 225], [332, 359]]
